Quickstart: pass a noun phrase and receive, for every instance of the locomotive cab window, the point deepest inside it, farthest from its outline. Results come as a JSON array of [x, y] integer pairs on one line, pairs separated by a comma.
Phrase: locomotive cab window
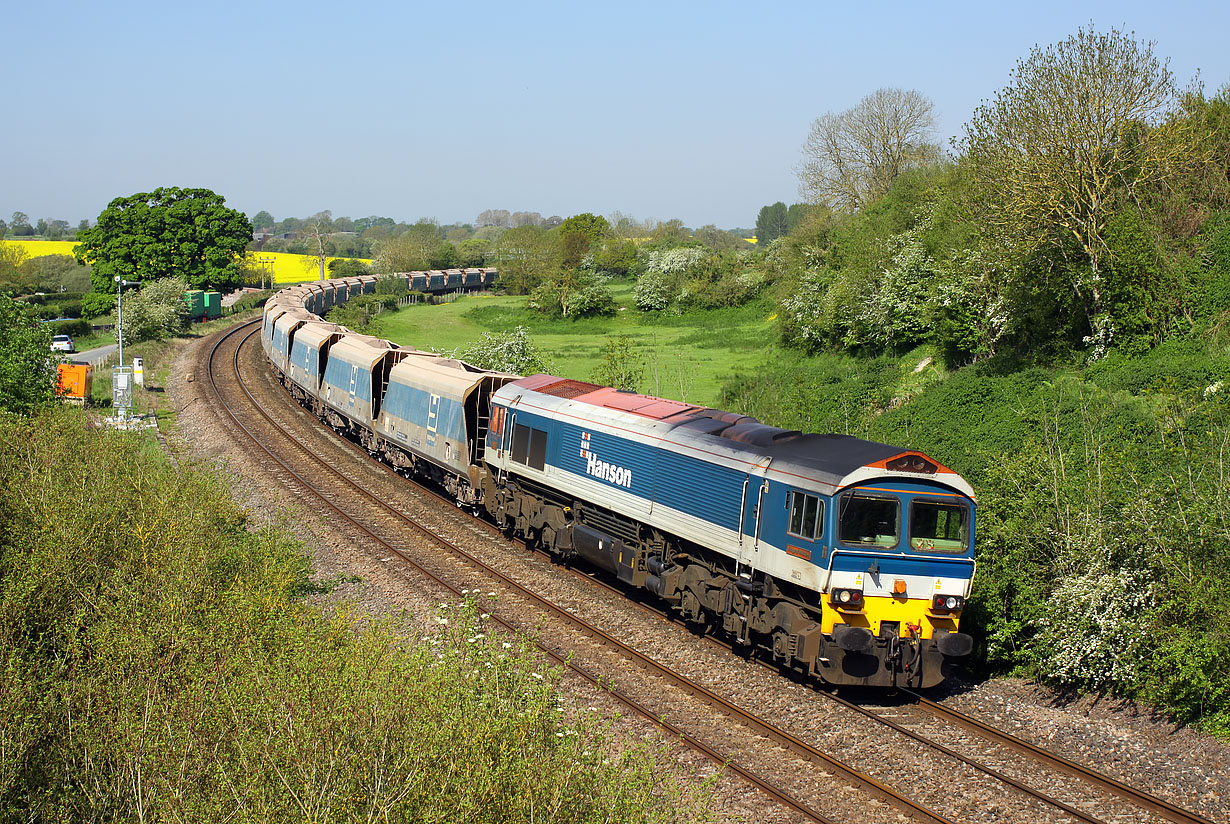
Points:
[[939, 526], [806, 516], [869, 520], [529, 446]]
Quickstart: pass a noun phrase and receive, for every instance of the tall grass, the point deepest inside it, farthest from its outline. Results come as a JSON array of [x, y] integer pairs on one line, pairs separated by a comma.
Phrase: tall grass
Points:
[[161, 663]]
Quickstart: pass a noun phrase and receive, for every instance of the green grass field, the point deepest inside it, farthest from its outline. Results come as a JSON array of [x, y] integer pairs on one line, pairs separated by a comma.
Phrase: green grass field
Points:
[[686, 358]]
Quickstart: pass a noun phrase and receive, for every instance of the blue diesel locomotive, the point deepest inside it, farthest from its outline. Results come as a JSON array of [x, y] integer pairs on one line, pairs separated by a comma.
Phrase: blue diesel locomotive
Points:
[[842, 558]]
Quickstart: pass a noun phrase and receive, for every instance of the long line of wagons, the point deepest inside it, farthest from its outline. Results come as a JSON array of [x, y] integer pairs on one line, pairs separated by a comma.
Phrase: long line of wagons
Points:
[[844, 559]]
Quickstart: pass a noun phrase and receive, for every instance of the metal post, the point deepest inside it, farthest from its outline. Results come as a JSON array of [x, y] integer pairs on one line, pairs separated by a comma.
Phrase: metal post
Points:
[[119, 315], [266, 262]]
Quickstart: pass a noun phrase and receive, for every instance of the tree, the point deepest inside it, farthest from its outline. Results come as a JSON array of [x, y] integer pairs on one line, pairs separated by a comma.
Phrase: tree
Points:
[[414, 250], [580, 233], [617, 257], [622, 365], [851, 157], [525, 219], [27, 374], [473, 252], [1083, 127], [494, 217], [263, 221], [13, 276], [525, 257], [771, 223], [156, 312], [718, 240], [57, 273], [594, 227], [171, 231], [347, 267], [572, 293], [319, 227], [669, 233]]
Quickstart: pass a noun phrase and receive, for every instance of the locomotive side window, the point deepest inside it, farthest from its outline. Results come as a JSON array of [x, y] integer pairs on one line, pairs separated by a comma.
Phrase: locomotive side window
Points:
[[520, 443], [806, 515], [868, 520], [940, 526], [538, 449], [529, 446]]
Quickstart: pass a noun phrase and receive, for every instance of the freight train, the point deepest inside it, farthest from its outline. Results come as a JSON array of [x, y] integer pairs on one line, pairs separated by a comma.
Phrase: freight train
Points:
[[847, 560]]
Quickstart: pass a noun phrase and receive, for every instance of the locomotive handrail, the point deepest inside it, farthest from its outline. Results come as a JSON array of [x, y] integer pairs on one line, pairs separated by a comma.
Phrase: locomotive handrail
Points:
[[833, 556]]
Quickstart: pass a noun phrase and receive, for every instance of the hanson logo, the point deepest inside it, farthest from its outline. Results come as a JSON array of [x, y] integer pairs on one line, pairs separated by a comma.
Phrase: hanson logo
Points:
[[601, 469]]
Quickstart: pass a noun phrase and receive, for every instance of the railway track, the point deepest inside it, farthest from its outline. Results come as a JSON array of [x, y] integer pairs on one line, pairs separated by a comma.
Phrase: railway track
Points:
[[378, 524]]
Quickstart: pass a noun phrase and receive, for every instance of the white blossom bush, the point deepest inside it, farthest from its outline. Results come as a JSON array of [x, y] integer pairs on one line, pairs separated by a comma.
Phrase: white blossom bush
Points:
[[896, 313], [1096, 634], [156, 312], [676, 261], [511, 352], [654, 291]]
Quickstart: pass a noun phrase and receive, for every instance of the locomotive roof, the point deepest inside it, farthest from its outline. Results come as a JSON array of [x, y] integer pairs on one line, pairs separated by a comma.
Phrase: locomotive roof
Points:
[[838, 460]]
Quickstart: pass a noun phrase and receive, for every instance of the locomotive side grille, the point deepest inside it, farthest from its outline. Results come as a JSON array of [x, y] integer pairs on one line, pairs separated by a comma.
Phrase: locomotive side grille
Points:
[[610, 524]]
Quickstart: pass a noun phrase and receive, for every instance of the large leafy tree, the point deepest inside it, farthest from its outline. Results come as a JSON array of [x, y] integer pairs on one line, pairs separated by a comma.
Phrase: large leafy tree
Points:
[[771, 223], [1082, 129], [27, 373], [188, 233]]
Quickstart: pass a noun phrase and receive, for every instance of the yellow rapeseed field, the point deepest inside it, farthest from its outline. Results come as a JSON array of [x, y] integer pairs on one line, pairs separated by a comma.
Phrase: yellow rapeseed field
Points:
[[40, 248], [287, 268]]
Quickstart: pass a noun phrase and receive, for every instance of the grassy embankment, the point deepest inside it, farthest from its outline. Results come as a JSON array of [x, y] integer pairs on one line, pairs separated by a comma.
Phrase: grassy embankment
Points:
[[164, 661]]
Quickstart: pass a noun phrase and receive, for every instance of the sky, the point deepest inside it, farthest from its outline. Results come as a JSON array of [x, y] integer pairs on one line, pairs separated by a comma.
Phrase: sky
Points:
[[656, 110]]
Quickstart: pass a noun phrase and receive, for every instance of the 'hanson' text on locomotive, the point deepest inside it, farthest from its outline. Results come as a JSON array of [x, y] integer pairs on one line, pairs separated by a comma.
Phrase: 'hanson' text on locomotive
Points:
[[608, 472]]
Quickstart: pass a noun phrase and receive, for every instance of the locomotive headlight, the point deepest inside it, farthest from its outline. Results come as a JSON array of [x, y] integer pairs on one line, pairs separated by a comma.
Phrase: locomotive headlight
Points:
[[847, 598], [947, 603]]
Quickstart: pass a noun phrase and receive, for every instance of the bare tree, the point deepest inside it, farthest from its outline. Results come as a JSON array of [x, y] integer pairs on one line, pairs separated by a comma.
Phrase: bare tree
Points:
[[852, 157], [493, 217], [526, 219], [319, 227]]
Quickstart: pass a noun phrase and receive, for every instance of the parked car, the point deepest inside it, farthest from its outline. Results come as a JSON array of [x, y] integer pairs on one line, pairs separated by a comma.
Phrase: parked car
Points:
[[62, 343]]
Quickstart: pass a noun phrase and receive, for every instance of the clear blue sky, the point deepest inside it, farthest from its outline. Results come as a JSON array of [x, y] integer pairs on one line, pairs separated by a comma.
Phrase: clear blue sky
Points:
[[654, 109]]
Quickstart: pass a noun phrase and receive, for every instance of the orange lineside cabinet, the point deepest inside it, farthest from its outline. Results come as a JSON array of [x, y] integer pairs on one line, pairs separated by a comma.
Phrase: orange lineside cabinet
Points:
[[76, 381]]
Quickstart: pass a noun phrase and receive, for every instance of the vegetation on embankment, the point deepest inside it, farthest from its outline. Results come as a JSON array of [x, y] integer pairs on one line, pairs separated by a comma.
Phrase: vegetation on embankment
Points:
[[1103, 493], [162, 662]]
